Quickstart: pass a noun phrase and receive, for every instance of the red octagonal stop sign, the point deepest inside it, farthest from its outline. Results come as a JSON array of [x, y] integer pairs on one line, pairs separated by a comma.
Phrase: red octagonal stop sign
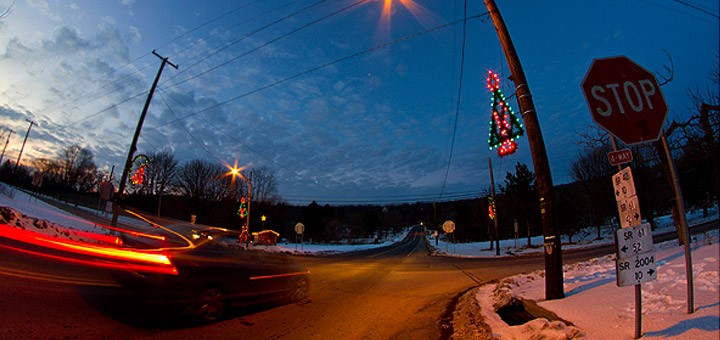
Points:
[[625, 99]]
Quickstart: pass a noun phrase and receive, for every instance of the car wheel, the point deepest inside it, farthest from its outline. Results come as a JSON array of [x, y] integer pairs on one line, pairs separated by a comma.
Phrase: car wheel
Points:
[[211, 306], [302, 290]]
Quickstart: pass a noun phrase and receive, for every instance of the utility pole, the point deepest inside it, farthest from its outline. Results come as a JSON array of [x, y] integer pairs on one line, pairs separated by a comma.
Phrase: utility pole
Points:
[[133, 145], [553, 252], [10, 131], [495, 219], [23, 145], [249, 195]]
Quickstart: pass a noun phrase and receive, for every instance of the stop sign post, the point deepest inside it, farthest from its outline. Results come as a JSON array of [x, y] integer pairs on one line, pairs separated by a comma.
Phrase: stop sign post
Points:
[[625, 99]]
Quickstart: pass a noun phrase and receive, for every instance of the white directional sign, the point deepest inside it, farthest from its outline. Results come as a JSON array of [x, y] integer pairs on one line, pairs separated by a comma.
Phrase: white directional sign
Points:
[[636, 269], [634, 241], [624, 184], [635, 256], [629, 209]]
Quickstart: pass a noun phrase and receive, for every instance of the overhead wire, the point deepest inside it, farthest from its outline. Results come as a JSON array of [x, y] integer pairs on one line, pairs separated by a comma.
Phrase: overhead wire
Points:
[[236, 140], [327, 64], [377, 47], [190, 134], [118, 81], [697, 8], [179, 53], [457, 103], [271, 41]]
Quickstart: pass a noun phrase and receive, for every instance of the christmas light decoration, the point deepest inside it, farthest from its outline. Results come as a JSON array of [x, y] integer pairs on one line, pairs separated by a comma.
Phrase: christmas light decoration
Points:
[[504, 125], [242, 211], [491, 208], [140, 162]]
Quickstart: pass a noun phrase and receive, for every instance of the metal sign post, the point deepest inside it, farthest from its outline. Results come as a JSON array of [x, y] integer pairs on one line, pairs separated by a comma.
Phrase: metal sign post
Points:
[[635, 262], [299, 231]]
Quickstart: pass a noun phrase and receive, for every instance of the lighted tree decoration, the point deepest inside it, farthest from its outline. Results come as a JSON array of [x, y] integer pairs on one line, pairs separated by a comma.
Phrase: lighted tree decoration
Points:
[[242, 210], [504, 125], [140, 162]]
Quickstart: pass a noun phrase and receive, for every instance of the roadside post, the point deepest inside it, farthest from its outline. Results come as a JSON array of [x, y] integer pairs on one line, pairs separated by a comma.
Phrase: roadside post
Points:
[[625, 99], [299, 231], [635, 261], [449, 228]]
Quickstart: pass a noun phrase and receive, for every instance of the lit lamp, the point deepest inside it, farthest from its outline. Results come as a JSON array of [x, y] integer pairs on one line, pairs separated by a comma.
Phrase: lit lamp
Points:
[[263, 218]]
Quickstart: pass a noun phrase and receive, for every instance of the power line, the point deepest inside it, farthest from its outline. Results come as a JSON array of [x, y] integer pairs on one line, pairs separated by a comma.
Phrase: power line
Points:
[[457, 103], [336, 61], [204, 39], [190, 134], [268, 42], [270, 159], [696, 7]]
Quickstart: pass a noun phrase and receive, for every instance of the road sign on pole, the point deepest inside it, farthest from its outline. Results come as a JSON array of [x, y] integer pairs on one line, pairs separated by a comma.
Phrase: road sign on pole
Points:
[[629, 209], [635, 256], [634, 240], [624, 184], [625, 99], [620, 157], [448, 226], [636, 269]]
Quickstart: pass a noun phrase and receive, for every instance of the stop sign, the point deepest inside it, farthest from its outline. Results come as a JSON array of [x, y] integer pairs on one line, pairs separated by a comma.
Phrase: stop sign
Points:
[[625, 99]]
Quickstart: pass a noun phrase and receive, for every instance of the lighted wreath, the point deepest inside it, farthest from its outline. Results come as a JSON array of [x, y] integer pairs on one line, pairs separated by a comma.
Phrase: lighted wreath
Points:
[[140, 162]]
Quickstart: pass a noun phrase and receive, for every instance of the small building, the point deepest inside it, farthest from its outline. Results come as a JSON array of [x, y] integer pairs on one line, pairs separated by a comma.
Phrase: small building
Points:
[[265, 237]]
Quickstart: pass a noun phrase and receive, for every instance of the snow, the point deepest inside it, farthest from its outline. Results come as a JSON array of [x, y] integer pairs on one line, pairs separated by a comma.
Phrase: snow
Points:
[[595, 306]]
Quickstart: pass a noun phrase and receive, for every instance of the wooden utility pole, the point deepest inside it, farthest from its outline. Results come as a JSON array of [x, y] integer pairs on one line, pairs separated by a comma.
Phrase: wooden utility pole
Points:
[[133, 145], [10, 131], [494, 201], [553, 252], [23, 145]]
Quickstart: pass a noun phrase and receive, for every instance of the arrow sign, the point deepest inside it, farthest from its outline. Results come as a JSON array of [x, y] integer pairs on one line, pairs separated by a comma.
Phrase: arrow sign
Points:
[[624, 184], [634, 241], [637, 269]]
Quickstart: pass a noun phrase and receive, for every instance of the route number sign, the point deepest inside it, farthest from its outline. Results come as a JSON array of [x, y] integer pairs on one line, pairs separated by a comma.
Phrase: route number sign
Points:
[[624, 184], [629, 209], [635, 240], [636, 269], [636, 262]]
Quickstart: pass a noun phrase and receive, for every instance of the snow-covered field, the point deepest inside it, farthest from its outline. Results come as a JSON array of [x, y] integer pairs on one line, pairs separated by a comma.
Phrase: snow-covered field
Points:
[[594, 304]]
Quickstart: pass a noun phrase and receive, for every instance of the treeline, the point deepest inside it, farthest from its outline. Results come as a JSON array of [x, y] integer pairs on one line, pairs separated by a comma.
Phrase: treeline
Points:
[[209, 191]]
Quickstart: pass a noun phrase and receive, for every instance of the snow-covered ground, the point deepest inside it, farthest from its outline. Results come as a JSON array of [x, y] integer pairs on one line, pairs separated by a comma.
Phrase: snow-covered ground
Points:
[[594, 304]]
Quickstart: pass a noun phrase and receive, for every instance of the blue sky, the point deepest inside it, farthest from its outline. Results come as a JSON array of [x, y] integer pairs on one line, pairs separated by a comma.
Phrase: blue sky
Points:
[[308, 88]]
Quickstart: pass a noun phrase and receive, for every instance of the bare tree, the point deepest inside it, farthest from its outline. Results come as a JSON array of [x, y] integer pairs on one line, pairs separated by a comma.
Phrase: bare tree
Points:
[[78, 169], [200, 180], [160, 174], [591, 169], [264, 186]]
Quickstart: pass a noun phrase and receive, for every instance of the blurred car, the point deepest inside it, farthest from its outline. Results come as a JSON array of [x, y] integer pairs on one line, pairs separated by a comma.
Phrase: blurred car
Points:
[[216, 273]]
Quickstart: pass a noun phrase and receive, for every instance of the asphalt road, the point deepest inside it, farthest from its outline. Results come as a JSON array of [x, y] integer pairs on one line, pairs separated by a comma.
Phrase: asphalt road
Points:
[[394, 292]]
